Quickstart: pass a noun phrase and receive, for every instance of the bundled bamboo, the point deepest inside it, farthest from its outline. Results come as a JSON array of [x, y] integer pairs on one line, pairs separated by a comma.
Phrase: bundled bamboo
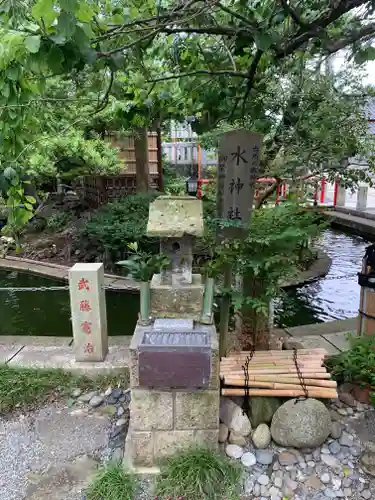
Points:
[[278, 373], [283, 393], [240, 380]]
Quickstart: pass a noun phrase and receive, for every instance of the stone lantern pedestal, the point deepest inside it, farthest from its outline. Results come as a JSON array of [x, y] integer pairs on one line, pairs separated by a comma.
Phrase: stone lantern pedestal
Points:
[[175, 392], [174, 362]]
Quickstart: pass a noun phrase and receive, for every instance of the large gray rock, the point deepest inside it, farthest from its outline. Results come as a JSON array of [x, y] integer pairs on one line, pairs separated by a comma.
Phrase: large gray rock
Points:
[[262, 409], [233, 416], [301, 424]]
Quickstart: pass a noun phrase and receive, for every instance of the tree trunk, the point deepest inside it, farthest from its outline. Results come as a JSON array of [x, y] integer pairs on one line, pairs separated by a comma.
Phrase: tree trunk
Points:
[[141, 159], [256, 328]]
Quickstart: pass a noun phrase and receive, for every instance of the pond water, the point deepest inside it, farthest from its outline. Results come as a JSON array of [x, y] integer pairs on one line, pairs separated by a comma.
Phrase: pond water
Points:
[[336, 296], [48, 313]]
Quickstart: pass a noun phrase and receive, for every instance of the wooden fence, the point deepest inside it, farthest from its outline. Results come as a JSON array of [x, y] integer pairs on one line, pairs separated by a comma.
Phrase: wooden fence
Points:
[[99, 189], [127, 152]]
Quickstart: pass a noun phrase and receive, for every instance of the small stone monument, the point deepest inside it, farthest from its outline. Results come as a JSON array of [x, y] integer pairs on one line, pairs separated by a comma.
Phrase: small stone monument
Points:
[[174, 363], [177, 221]]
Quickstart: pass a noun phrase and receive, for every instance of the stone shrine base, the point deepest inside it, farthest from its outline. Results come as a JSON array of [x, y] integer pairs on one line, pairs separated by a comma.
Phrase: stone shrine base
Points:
[[164, 419]]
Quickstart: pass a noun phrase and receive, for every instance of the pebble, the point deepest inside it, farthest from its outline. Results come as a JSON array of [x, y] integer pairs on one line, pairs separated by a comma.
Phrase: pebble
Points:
[[330, 493], [85, 398], [108, 391], [121, 422], [237, 439], [366, 494], [346, 439], [336, 430], [256, 490], [263, 479], [120, 411], [336, 482], [325, 478], [330, 461], [355, 451], [234, 451], [248, 459], [334, 448], [264, 457], [310, 463], [96, 401], [278, 482], [287, 458], [342, 411], [77, 392], [290, 484]]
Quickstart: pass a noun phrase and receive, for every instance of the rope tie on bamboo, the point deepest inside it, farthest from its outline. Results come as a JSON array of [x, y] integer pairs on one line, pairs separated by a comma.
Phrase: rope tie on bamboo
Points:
[[245, 368], [301, 379]]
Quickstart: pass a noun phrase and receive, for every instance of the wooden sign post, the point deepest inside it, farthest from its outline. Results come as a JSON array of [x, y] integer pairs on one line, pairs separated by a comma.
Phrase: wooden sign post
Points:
[[238, 169]]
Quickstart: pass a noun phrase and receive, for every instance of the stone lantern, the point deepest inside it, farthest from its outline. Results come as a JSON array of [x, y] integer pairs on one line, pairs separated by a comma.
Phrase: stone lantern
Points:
[[177, 221], [174, 362]]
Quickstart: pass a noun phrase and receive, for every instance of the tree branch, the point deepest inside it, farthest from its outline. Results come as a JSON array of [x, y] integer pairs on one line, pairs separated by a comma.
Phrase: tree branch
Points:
[[315, 27], [200, 72], [292, 13], [267, 193], [351, 37]]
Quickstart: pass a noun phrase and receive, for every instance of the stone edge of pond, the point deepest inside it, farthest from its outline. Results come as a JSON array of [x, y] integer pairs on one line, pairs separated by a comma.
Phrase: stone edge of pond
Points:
[[318, 269]]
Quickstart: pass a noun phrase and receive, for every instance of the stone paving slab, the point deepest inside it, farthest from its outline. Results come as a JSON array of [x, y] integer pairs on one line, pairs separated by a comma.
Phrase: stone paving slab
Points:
[[52, 357], [338, 326], [316, 341], [339, 340], [8, 351], [36, 340]]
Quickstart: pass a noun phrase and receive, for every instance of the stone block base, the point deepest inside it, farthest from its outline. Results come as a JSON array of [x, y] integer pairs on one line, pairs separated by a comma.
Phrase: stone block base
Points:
[[165, 422], [144, 450], [182, 302]]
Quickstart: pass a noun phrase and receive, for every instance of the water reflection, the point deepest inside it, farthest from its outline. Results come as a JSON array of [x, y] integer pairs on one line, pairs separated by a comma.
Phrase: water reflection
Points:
[[333, 297]]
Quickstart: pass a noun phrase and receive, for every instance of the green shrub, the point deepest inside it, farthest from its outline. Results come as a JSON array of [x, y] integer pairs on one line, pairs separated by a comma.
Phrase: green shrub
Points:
[[199, 474], [355, 365], [57, 222], [114, 225]]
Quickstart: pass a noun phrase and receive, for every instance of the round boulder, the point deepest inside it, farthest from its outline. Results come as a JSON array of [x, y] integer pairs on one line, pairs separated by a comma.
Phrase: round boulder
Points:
[[261, 436], [301, 424]]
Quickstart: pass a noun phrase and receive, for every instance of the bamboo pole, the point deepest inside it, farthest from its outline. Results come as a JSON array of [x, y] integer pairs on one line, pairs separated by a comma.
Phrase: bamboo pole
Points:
[[255, 375], [280, 371], [276, 352], [312, 383], [284, 379], [314, 393], [234, 366], [272, 385]]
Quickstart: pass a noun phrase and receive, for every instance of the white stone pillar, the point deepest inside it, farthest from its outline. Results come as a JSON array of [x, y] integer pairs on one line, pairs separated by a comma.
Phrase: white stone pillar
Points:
[[88, 309], [362, 198], [341, 193]]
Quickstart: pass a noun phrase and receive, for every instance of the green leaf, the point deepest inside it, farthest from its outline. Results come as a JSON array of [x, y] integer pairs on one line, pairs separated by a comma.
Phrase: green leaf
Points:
[[55, 58], [263, 41], [30, 199], [85, 13], [66, 24], [69, 5], [28, 206], [44, 9], [13, 73], [81, 39], [32, 43]]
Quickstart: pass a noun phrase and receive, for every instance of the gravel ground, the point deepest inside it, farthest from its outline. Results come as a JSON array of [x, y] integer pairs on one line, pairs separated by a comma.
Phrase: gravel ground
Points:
[[50, 437]]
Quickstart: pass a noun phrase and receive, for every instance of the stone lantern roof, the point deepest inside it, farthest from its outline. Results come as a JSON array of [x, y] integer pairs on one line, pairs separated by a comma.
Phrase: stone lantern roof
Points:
[[175, 217]]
